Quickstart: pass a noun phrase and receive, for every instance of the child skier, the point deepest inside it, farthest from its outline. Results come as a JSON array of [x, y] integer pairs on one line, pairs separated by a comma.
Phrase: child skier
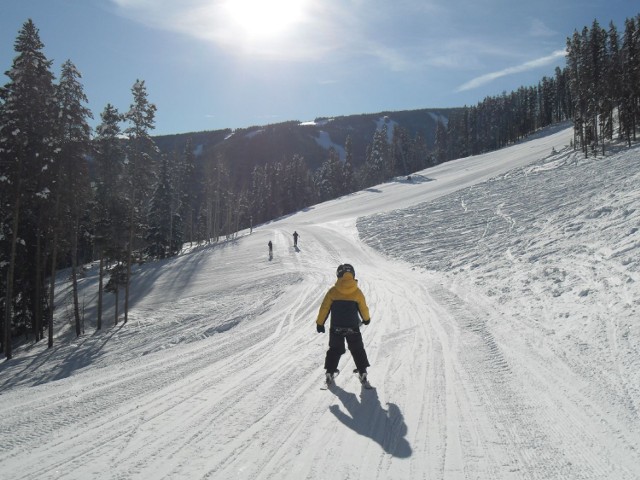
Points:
[[346, 304]]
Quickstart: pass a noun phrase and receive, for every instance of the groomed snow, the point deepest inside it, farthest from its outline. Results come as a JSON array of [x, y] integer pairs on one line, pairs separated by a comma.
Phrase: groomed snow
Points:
[[504, 292]]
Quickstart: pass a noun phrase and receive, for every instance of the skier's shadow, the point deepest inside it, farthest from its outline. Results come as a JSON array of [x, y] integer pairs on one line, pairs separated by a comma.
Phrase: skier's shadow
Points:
[[367, 417]]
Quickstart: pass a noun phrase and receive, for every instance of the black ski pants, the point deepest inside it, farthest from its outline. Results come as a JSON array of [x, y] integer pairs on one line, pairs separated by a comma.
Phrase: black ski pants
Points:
[[336, 349]]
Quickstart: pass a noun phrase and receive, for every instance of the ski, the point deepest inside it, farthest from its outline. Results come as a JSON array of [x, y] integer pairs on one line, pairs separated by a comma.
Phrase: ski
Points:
[[365, 382], [329, 381]]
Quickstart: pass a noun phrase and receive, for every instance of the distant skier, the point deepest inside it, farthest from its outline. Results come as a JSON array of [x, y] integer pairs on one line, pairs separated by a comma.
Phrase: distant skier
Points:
[[295, 239], [270, 249], [346, 304]]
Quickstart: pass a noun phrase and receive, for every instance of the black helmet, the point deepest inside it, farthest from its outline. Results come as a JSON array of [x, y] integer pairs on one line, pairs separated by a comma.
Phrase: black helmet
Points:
[[344, 268]]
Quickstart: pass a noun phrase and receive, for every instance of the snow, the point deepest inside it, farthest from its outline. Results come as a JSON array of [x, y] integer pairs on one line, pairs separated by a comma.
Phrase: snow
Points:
[[324, 140], [253, 133], [503, 342], [439, 118], [390, 124], [44, 193], [317, 122]]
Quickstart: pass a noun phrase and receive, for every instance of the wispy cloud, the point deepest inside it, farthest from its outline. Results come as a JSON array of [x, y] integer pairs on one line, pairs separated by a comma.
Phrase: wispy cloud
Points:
[[525, 67], [405, 36], [539, 29], [331, 29]]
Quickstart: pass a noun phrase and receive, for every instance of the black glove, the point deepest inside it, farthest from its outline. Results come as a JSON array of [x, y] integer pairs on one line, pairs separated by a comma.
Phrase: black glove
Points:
[[366, 322], [319, 328]]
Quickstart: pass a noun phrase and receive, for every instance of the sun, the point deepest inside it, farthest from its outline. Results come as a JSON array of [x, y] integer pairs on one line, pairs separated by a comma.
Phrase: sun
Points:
[[262, 18]]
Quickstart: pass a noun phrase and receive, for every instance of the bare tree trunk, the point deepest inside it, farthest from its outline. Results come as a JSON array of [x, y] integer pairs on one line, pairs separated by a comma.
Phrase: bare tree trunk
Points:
[[37, 323], [52, 288], [209, 224], [115, 320], [100, 290], [229, 220], [129, 260], [74, 278], [217, 212], [10, 274], [54, 260]]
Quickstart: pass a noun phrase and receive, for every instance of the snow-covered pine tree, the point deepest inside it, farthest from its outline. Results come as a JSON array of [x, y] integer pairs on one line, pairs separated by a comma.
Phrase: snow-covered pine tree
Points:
[[158, 237], [613, 81], [330, 177], [141, 151], [419, 154], [441, 145], [302, 189], [377, 162], [630, 104], [109, 210], [26, 157], [350, 182], [73, 188], [189, 192], [400, 151]]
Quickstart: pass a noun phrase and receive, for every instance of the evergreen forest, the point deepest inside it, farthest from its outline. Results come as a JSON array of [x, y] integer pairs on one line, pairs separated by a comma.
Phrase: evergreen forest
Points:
[[71, 194]]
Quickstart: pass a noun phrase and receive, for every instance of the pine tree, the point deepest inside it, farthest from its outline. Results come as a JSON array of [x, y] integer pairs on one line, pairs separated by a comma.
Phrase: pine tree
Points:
[[189, 191], [630, 79], [74, 141], [350, 180], [562, 96], [597, 95], [26, 145], [441, 143], [419, 154], [400, 151], [109, 208], [613, 80], [177, 174], [160, 215], [377, 162], [330, 182], [348, 149], [141, 149], [575, 72], [216, 195], [259, 194]]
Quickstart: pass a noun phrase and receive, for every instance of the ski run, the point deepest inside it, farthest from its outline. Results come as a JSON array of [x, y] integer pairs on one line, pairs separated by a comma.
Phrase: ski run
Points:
[[504, 343]]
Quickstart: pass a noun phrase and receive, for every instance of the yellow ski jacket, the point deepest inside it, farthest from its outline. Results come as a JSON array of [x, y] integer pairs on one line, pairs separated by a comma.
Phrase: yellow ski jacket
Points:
[[346, 303]]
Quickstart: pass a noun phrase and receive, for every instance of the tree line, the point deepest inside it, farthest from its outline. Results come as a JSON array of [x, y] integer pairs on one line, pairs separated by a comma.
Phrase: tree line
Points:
[[54, 212], [603, 74], [598, 89], [69, 196]]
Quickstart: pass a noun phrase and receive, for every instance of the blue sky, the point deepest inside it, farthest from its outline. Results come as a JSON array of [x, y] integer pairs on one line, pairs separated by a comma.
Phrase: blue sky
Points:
[[213, 64]]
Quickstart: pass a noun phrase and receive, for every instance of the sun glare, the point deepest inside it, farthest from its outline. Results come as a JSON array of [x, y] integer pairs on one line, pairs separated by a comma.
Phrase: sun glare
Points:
[[261, 18]]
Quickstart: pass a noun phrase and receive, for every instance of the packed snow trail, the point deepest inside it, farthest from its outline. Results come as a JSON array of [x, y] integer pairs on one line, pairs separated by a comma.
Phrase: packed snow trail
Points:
[[216, 374]]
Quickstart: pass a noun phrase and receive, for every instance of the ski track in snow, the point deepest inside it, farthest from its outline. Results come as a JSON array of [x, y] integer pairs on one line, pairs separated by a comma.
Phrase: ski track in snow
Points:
[[503, 343]]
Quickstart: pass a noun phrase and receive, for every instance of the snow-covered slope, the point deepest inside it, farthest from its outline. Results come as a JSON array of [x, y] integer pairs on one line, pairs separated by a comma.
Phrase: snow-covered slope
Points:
[[504, 291]]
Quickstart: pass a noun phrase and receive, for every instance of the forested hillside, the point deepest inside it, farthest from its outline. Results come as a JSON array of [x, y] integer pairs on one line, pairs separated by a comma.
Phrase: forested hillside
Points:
[[119, 195], [258, 145]]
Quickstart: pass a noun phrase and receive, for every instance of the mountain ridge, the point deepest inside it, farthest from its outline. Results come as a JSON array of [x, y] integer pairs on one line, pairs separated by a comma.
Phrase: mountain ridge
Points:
[[261, 144]]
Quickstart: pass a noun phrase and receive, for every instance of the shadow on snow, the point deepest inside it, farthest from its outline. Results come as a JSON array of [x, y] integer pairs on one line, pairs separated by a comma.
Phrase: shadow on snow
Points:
[[366, 417]]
